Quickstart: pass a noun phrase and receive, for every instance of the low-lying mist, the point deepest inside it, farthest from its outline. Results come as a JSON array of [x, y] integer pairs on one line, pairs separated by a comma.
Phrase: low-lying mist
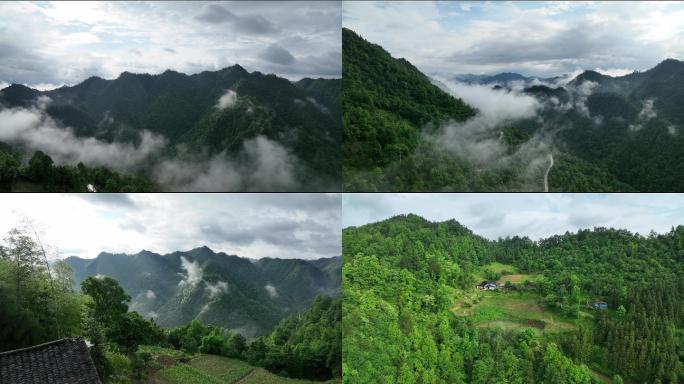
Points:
[[260, 165], [480, 140]]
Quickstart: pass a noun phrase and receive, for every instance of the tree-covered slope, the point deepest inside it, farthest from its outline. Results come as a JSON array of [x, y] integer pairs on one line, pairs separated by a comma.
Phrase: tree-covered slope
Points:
[[386, 104], [307, 345], [631, 127], [224, 290], [403, 277]]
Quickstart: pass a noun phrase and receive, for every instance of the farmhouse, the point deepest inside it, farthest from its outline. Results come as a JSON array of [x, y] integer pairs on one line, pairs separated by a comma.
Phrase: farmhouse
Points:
[[65, 361], [600, 305], [488, 285]]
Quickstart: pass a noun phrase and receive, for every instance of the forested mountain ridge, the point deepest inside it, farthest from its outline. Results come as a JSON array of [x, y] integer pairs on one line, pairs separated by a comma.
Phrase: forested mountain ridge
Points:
[[615, 118], [202, 115], [386, 103], [605, 122], [581, 134], [216, 288], [411, 283]]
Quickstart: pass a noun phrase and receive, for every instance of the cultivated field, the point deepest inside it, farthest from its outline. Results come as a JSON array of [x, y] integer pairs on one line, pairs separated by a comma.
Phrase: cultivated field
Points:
[[210, 369]]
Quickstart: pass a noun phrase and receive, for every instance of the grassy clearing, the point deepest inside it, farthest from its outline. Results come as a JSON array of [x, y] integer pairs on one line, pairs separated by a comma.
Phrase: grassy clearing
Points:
[[513, 311], [262, 376], [161, 351], [495, 267], [518, 278], [185, 374], [211, 369], [508, 273], [225, 369]]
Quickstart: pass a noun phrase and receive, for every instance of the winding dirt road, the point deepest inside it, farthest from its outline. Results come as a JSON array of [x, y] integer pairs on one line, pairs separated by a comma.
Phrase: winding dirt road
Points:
[[546, 174]]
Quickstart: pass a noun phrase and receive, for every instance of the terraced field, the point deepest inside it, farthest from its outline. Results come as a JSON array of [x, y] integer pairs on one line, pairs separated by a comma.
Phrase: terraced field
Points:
[[210, 369], [508, 273], [512, 311]]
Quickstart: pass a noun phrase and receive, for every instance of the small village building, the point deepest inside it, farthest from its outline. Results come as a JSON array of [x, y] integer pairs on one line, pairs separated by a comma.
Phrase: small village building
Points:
[[488, 285], [65, 361], [600, 304]]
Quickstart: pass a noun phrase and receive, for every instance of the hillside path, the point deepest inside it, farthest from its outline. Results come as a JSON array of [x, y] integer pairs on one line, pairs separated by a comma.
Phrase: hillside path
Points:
[[546, 174], [243, 379]]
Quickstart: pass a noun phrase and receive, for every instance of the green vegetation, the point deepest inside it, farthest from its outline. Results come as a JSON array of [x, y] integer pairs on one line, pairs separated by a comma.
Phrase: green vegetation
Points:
[[412, 313], [40, 305], [40, 174], [385, 103], [515, 311], [250, 306], [225, 369], [185, 374], [216, 369]]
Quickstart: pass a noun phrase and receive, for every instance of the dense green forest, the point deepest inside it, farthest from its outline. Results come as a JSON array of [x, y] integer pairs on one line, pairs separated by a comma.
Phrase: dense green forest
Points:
[[385, 104], [412, 314], [40, 174], [40, 305]]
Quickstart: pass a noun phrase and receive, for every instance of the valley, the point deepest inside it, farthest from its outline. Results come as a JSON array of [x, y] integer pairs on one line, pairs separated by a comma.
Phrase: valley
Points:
[[495, 133]]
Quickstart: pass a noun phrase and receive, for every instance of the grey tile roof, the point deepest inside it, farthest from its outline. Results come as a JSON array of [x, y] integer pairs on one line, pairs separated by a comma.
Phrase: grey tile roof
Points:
[[65, 361]]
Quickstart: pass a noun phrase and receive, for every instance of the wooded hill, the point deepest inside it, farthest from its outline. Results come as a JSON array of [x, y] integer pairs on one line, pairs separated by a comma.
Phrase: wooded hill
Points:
[[404, 278]]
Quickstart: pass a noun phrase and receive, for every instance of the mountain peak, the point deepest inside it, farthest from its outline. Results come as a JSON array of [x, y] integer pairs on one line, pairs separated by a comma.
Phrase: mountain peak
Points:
[[93, 78], [589, 75], [171, 72], [238, 68], [669, 64], [203, 249], [18, 87], [670, 61]]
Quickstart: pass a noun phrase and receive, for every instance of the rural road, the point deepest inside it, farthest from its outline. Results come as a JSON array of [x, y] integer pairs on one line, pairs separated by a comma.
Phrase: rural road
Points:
[[546, 174]]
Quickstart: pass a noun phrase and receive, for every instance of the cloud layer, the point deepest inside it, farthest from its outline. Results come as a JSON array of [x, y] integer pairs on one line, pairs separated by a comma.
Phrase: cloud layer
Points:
[[32, 129], [533, 38], [249, 225], [261, 164], [48, 44]]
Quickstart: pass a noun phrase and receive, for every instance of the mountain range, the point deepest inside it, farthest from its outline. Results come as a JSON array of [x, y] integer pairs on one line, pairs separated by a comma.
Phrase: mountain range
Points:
[[404, 131], [245, 295], [499, 78], [203, 114]]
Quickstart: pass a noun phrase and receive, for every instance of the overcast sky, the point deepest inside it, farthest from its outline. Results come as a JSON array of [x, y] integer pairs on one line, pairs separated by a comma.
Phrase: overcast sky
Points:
[[533, 38], [46, 44], [533, 215], [306, 226]]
